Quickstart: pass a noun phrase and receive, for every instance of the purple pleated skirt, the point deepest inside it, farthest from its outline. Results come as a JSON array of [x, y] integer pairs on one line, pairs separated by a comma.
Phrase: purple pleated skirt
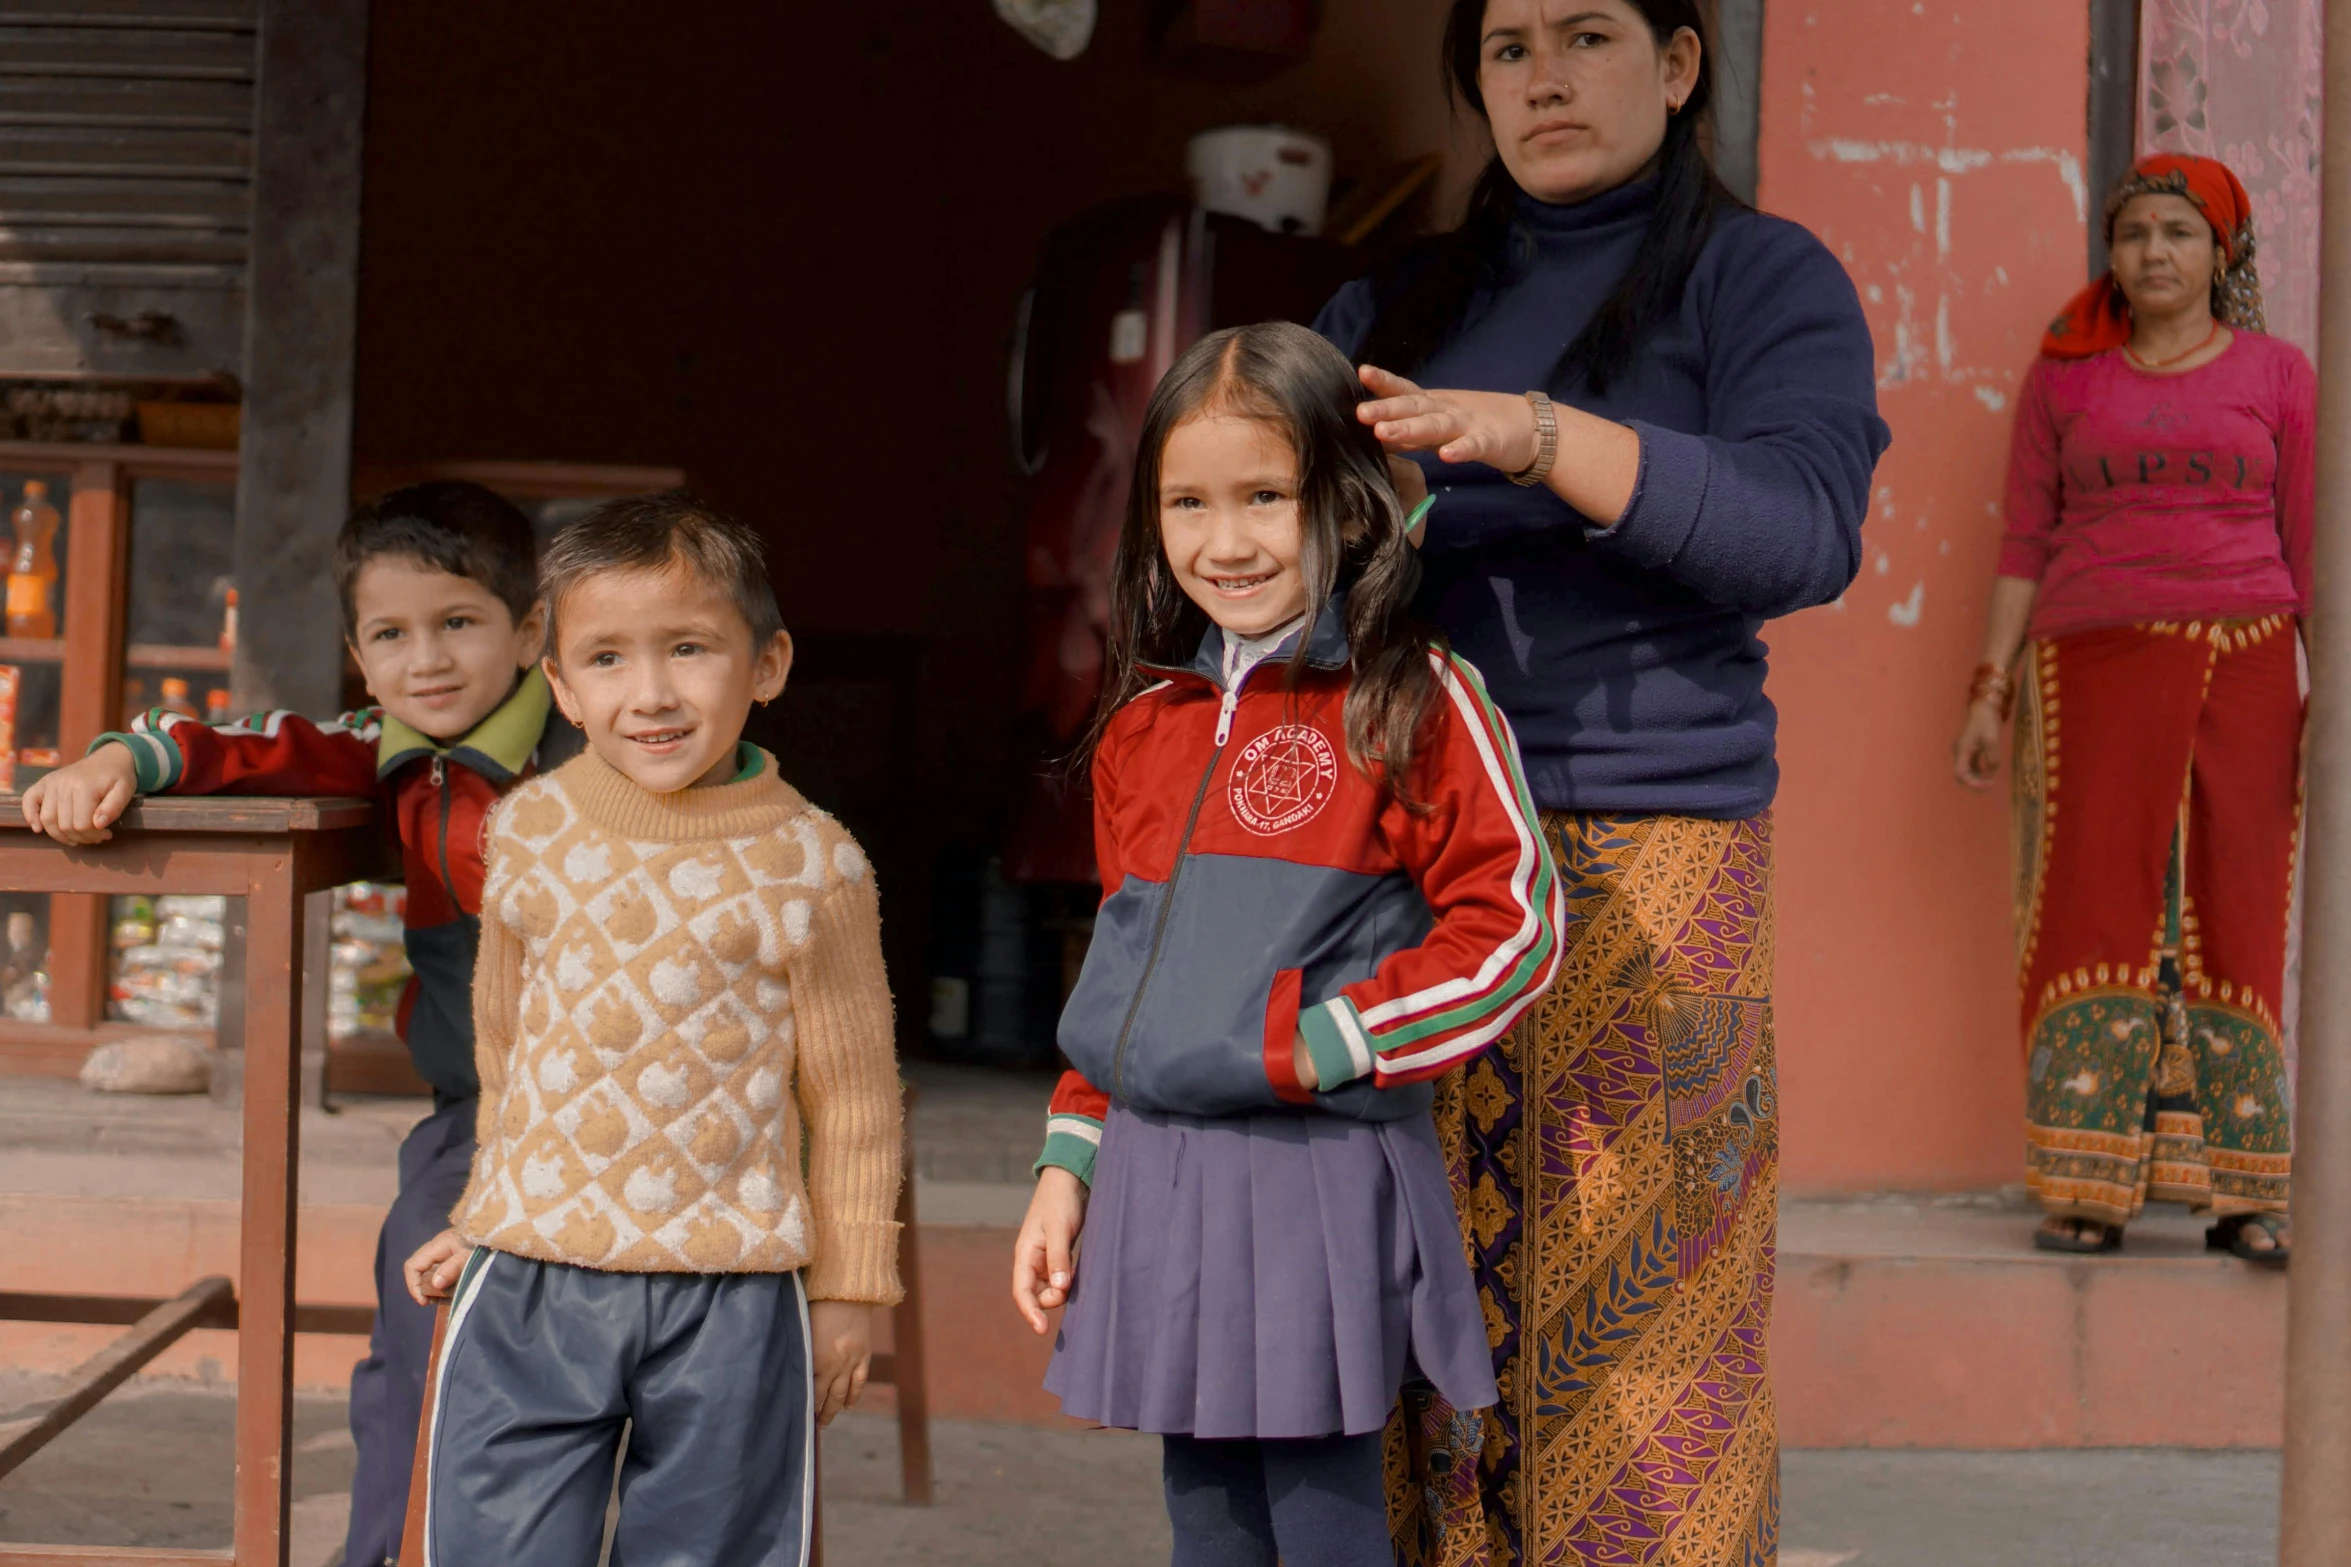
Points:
[[1267, 1276]]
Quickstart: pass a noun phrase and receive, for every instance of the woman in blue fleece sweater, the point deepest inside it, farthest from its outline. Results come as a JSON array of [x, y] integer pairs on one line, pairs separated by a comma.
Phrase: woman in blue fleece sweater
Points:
[[1648, 417]]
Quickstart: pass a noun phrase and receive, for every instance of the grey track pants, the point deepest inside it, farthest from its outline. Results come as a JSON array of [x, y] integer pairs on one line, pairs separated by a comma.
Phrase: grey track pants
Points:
[[542, 1366]]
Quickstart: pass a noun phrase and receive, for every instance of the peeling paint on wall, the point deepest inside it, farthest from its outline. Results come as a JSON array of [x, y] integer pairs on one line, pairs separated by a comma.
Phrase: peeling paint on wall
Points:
[[1906, 362], [1937, 148]]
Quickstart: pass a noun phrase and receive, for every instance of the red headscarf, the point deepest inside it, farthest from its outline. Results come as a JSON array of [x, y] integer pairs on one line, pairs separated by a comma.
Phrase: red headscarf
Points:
[[2099, 317]]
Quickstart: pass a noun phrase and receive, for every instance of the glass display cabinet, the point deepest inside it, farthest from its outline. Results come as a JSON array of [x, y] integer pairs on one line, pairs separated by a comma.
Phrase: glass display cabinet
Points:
[[130, 593], [122, 598]]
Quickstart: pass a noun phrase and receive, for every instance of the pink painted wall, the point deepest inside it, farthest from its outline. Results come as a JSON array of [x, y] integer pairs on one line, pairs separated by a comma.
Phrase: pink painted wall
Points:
[[1938, 149]]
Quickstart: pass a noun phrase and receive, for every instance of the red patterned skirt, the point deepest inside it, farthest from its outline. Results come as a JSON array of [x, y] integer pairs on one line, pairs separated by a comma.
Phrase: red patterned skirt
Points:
[[2158, 801]]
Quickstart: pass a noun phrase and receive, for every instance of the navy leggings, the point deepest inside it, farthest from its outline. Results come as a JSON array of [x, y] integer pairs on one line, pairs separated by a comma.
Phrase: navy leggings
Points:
[[1314, 1502]]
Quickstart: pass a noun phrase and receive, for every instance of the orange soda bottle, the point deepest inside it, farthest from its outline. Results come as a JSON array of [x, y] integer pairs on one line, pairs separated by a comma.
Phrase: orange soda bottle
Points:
[[175, 697], [32, 570]]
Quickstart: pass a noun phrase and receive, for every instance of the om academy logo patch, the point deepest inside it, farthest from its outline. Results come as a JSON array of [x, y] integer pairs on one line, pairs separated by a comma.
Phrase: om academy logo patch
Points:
[[1283, 779]]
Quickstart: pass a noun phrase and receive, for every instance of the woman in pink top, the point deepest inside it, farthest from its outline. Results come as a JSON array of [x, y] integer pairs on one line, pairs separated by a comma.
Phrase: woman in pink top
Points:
[[2158, 558]]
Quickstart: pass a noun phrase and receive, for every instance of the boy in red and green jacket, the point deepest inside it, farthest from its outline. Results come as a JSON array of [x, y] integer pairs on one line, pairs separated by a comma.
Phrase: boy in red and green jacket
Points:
[[439, 589]]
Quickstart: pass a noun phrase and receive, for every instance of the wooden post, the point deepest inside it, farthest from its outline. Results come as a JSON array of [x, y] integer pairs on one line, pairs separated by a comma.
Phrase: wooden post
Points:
[[97, 587], [1738, 93], [420, 1469], [273, 1155], [97, 578], [2114, 108], [2315, 1528], [907, 1370]]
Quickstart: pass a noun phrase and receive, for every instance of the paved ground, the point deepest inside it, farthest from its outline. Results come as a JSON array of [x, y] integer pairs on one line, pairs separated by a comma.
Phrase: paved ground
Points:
[[152, 1464], [151, 1467], [976, 1132], [2115, 1507]]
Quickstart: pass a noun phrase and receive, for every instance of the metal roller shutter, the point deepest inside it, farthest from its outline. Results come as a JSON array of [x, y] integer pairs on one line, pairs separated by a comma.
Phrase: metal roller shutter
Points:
[[126, 168]]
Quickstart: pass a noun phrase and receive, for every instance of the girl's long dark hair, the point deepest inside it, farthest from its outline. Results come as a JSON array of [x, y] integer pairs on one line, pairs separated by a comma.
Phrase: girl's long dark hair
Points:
[[1351, 520], [1429, 293]]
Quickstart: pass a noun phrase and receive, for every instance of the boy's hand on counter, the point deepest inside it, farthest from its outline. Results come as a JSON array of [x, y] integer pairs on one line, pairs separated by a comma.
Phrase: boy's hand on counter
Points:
[[77, 804]]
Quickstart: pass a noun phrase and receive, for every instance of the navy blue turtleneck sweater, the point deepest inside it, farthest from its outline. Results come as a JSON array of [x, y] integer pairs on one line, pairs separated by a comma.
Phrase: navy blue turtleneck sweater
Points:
[[1628, 658]]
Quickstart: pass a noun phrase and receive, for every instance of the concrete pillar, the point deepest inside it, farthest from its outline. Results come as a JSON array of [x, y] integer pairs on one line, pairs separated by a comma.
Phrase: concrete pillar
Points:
[[301, 324]]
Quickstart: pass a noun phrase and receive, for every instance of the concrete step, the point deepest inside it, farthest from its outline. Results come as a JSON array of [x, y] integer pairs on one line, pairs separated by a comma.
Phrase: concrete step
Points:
[[151, 1467], [1904, 1322], [1900, 1322]]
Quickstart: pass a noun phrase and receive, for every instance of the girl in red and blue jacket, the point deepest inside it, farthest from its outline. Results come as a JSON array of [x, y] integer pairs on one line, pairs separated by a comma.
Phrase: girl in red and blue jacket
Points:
[[1323, 884]]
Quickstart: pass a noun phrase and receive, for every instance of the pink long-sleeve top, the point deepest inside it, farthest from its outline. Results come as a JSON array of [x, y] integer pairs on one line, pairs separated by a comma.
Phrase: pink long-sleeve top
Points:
[[2135, 497]]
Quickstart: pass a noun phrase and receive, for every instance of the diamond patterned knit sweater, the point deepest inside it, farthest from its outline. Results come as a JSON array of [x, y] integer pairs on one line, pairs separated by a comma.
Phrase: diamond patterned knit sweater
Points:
[[671, 989]]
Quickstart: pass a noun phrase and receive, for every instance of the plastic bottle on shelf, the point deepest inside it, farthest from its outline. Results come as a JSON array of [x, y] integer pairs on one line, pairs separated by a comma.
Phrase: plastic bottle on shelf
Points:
[[228, 624], [32, 571], [216, 705], [176, 699], [10, 678], [134, 922]]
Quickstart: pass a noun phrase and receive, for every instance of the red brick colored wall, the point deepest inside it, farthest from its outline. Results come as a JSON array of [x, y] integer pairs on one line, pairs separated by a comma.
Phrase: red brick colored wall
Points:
[[1938, 149]]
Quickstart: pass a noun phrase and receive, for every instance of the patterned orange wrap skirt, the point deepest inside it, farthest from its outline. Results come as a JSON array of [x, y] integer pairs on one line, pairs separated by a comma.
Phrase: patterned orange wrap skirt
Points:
[[1615, 1163], [2158, 802]]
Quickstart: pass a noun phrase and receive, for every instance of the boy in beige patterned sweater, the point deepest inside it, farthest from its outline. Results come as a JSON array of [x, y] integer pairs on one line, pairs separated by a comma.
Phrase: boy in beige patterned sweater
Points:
[[680, 985]]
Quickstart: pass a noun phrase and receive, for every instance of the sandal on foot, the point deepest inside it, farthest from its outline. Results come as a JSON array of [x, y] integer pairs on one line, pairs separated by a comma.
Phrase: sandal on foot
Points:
[[2229, 1235], [2084, 1238]]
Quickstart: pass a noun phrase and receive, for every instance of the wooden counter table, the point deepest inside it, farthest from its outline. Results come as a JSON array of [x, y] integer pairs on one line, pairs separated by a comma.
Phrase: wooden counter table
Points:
[[272, 853]]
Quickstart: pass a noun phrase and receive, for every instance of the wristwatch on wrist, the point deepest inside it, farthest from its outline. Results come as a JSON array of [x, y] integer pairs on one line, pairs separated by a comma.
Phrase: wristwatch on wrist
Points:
[[1546, 441]]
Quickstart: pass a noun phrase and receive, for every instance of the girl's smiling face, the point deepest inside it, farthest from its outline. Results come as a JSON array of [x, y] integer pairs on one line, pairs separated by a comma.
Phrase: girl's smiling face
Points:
[[659, 669], [1229, 519]]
